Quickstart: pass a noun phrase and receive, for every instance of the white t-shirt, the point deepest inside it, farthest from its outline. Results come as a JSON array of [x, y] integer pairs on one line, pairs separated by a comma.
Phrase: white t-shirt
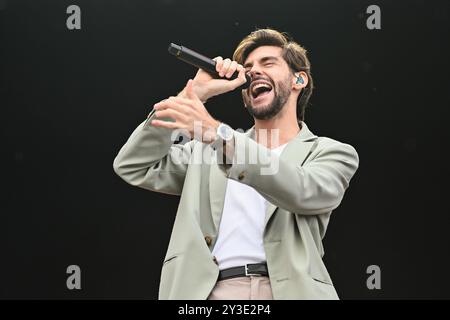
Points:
[[240, 238]]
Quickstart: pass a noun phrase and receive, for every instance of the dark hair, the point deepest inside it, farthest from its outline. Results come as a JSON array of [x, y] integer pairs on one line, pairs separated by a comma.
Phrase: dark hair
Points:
[[293, 53]]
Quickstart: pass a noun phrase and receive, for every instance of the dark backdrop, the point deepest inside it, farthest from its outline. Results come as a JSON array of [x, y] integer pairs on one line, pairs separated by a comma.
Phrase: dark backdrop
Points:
[[70, 99]]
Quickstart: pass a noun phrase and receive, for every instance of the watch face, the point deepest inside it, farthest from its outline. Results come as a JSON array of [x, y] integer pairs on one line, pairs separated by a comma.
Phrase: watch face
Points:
[[225, 132]]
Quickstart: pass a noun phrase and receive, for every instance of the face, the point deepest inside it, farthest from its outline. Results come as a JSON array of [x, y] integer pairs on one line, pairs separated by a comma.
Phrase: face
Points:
[[271, 82]]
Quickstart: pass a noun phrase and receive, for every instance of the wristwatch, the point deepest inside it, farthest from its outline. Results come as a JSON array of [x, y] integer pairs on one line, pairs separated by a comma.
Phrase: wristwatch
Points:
[[224, 133]]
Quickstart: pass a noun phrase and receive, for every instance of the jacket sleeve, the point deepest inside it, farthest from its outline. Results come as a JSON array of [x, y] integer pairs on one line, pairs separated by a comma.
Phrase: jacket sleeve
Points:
[[150, 160], [313, 188]]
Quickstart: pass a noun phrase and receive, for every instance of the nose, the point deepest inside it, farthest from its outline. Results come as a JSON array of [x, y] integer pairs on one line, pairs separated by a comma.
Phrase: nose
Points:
[[254, 71]]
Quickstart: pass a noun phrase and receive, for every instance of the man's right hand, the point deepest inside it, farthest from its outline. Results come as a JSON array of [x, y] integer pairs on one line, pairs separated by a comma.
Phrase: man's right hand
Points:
[[205, 86]]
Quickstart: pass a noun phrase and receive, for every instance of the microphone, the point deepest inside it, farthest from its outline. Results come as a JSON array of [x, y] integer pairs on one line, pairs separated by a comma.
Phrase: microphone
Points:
[[202, 62]]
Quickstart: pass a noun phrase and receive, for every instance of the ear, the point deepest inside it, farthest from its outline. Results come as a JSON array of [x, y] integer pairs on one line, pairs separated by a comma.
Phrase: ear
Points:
[[300, 80]]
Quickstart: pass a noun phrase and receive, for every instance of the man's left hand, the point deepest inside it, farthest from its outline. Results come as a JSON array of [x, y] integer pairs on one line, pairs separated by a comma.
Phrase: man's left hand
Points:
[[189, 114]]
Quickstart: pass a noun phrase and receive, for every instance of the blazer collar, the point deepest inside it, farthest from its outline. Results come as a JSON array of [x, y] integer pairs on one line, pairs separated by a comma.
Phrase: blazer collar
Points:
[[304, 134], [297, 150]]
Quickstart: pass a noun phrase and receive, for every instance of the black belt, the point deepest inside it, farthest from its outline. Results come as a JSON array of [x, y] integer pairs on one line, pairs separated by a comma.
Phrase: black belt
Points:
[[253, 269]]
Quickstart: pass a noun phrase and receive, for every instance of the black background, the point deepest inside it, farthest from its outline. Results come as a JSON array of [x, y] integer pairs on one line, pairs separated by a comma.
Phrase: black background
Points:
[[70, 99]]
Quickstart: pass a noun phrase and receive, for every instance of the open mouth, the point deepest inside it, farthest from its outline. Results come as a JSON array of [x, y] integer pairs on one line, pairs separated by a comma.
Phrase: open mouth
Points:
[[260, 88]]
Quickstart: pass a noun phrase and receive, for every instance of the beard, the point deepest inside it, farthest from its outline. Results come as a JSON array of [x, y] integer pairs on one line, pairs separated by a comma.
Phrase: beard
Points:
[[281, 95]]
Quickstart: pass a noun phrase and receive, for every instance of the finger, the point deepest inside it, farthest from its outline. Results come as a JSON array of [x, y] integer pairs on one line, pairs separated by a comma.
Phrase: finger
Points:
[[231, 69], [171, 113], [242, 73], [219, 63], [160, 102], [174, 103], [166, 124], [225, 66], [240, 80], [183, 101]]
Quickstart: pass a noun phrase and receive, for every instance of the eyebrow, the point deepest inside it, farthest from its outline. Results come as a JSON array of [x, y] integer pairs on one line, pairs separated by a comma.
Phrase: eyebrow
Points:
[[261, 60]]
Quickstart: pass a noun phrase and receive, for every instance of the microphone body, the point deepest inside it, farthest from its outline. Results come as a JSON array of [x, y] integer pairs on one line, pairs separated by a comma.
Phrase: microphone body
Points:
[[200, 61]]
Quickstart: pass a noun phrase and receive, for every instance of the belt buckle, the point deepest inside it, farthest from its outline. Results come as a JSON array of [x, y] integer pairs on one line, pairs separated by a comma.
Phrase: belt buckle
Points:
[[247, 274]]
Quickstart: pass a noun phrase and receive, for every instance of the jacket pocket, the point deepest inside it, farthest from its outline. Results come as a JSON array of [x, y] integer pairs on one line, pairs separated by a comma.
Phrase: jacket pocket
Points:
[[320, 275], [171, 258], [324, 289], [322, 281]]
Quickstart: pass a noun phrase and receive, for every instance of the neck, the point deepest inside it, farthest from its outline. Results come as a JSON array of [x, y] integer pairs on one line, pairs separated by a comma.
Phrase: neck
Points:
[[279, 130]]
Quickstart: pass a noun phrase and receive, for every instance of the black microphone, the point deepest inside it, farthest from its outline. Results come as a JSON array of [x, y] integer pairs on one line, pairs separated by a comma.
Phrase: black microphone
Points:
[[202, 62]]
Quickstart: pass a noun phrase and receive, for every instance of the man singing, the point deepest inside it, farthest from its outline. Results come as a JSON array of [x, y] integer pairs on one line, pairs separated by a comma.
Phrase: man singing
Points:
[[254, 205]]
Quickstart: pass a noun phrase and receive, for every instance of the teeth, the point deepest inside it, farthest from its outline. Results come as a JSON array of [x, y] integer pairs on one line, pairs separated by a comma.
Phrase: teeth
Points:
[[259, 85]]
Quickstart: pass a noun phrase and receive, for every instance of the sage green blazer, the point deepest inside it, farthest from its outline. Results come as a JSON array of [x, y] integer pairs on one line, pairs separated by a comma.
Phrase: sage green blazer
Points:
[[307, 183]]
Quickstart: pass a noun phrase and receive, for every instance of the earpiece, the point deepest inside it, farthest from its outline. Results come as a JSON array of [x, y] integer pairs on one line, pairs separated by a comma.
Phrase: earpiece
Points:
[[299, 80]]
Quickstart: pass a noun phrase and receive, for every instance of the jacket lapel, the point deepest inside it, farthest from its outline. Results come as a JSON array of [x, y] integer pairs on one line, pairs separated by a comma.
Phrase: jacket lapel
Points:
[[297, 150], [217, 188]]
